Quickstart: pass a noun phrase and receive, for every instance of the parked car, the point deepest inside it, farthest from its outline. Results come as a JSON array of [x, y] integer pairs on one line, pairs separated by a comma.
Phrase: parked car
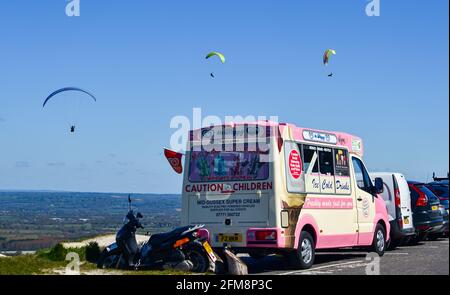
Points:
[[397, 197], [444, 232], [427, 214], [440, 189]]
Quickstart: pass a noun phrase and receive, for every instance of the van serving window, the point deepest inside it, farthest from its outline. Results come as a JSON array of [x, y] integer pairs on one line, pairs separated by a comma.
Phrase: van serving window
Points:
[[341, 164], [326, 161], [324, 170], [310, 157]]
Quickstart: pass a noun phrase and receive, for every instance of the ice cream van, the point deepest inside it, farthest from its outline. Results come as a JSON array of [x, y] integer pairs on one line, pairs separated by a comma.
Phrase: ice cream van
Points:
[[264, 187]]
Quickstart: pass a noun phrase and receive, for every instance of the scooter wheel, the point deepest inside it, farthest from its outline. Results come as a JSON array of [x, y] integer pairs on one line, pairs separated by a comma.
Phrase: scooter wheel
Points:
[[108, 260], [101, 259], [199, 259]]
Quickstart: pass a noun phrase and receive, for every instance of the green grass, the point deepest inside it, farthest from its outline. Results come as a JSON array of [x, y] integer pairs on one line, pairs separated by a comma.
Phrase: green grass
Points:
[[37, 265], [154, 273], [27, 265], [46, 261], [58, 253], [42, 262], [90, 253], [88, 266]]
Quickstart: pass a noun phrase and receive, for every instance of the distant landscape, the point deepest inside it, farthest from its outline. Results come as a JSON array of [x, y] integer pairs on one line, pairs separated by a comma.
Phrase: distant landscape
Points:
[[34, 220]]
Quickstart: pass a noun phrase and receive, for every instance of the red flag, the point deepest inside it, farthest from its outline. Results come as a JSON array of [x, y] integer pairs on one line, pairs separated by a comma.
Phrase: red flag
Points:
[[174, 159]]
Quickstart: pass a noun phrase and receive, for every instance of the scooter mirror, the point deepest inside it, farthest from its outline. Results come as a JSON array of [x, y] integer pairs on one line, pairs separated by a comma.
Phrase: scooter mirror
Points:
[[139, 215]]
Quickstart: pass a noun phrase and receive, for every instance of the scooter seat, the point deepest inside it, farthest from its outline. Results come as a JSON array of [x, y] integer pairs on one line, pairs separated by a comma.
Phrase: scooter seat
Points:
[[157, 239]]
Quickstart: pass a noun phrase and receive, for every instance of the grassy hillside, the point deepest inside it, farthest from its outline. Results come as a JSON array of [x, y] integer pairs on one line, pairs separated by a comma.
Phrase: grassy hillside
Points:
[[27, 265]]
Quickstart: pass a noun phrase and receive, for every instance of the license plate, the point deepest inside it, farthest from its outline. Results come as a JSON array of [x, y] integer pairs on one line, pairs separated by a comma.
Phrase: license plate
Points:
[[209, 251], [207, 247], [434, 208], [229, 238]]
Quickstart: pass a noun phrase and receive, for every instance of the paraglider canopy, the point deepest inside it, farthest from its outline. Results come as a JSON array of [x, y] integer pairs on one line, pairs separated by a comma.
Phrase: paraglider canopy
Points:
[[67, 89], [75, 101], [214, 53], [327, 54]]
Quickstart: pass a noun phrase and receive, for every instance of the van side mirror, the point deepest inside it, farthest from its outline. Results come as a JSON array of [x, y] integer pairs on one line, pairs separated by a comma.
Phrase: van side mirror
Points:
[[379, 185]]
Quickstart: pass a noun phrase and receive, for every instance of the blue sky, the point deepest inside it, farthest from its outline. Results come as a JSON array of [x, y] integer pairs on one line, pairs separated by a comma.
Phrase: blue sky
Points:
[[144, 60]]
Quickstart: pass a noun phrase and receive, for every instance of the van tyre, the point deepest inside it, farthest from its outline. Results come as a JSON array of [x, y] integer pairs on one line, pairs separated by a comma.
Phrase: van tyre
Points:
[[379, 240], [303, 257]]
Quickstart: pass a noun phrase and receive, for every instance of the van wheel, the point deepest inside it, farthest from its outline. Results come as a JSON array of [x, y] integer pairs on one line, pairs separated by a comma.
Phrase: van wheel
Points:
[[379, 240], [303, 257]]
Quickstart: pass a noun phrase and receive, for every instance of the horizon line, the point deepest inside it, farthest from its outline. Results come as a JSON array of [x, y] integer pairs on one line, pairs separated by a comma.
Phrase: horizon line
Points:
[[73, 191]]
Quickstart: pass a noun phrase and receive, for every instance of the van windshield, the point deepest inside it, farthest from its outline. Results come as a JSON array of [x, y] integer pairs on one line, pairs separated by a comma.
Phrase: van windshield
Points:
[[227, 166]]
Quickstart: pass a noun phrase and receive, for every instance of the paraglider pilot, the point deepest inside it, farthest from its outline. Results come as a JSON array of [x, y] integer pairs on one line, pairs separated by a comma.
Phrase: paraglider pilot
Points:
[[72, 128], [218, 54]]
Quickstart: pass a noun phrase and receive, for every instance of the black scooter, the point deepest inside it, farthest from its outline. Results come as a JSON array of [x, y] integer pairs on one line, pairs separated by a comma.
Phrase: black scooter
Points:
[[181, 249]]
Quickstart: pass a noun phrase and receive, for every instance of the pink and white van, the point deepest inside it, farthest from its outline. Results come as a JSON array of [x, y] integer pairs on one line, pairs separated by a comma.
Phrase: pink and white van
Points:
[[265, 187]]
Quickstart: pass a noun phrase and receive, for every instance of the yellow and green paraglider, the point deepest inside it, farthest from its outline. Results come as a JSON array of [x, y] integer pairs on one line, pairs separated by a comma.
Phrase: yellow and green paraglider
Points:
[[219, 55], [326, 58]]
